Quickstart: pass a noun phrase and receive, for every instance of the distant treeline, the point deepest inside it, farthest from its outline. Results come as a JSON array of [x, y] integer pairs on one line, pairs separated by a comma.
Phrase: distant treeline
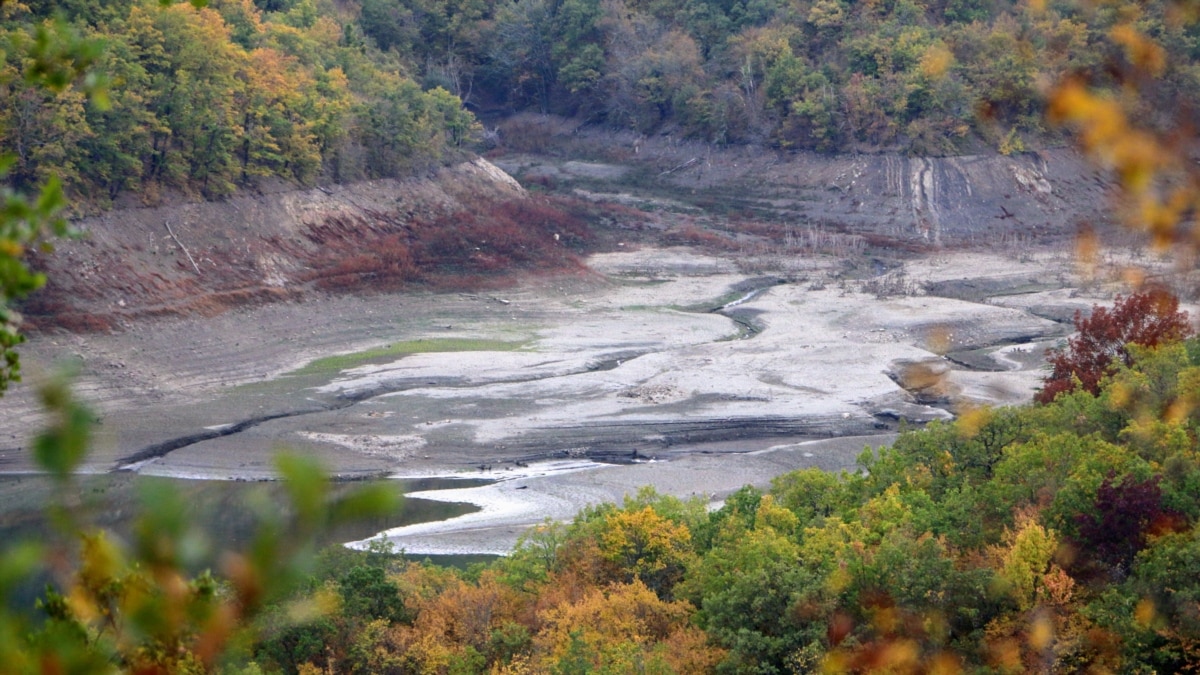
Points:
[[207, 99], [917, 76]]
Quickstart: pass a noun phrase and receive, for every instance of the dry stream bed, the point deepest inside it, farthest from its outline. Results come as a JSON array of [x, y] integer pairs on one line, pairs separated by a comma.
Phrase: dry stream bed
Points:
[[664, 367]]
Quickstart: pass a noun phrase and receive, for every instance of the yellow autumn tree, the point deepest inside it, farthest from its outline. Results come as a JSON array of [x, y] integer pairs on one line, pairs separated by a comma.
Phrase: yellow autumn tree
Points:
[[622, 628], [645, 546]]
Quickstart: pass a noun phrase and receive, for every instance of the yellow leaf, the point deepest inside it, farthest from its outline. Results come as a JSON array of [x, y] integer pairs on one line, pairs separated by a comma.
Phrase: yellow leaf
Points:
[[901, 655], [1087, 246], [80, 602], [1041, 632], [972, 419], [1144, 612], [1178, 411], [1141, 51]]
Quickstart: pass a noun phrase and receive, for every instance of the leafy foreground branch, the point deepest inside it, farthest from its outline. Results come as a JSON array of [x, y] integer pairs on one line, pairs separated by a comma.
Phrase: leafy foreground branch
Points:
[[113, 607]]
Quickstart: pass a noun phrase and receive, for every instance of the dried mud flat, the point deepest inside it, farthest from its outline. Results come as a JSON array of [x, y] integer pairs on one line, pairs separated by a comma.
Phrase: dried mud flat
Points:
[[663, 367]]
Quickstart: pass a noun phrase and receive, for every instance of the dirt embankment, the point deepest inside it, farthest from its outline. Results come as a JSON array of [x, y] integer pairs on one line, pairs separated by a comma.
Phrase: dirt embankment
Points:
[[205, 258]]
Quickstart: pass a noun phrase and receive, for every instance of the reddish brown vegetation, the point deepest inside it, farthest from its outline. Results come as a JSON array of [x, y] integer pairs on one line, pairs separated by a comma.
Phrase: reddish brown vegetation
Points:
[[460, 249], [1124, 514], [692, 235], [1146, 318], [53, 313]]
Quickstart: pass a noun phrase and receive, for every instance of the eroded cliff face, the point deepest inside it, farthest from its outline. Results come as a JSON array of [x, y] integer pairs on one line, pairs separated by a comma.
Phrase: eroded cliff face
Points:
[[203, 258], [942, 201], [950, 201], [893, 200]]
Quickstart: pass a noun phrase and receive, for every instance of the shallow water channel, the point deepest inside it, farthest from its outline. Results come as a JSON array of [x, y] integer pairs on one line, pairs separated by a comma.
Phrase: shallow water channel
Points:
[[223, 512]]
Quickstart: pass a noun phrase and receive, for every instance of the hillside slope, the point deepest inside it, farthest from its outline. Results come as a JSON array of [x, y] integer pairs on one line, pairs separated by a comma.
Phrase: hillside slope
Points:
[[205, 257], [471, 225], [888, 198]]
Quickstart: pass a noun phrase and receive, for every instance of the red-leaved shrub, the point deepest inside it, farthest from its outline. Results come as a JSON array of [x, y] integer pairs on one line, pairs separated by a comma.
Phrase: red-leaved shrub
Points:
[[1147, 318], [1123, 515]]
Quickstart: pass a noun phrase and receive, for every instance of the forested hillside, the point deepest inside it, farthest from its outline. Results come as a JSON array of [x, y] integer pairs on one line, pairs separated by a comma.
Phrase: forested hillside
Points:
[[205, 100]]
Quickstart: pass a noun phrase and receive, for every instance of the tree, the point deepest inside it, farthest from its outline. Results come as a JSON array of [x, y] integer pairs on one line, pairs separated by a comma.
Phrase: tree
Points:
[[756, 598], [621, 628], [645, 546], [1116, 528], [522, 49], [390, 24], [1163, 624], [1148, 318], [122, 133]]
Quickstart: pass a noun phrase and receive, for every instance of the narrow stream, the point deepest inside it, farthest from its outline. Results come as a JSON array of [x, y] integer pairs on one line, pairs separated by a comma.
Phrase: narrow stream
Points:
[[744, 299]]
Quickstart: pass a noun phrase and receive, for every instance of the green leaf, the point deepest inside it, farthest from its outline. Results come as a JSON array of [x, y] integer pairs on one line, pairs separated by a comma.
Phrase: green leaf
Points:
[[18, 563], [378, 499], [165, 531], [61, 447], [307, 485]]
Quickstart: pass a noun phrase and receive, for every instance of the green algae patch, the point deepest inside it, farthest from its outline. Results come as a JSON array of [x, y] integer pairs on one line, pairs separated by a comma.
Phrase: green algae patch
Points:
[[340, 362]]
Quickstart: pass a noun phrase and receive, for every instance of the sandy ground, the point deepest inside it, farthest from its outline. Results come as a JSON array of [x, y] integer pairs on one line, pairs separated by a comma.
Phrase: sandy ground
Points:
[[632, 362]]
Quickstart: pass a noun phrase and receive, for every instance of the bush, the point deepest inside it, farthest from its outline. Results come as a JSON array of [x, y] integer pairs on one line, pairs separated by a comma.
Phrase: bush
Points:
[[1148, 318]]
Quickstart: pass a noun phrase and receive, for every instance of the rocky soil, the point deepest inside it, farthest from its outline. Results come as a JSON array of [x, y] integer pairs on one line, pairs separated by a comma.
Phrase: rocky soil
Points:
[[205, 258]]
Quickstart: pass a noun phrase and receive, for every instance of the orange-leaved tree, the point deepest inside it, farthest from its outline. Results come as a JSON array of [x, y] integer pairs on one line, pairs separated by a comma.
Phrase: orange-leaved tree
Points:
[[1149, 317]]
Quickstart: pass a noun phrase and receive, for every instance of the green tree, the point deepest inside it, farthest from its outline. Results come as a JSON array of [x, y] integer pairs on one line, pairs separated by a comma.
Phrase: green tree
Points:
[[755, 597], [522, 50], [1155, 610], [368, 594], [390, 24]]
